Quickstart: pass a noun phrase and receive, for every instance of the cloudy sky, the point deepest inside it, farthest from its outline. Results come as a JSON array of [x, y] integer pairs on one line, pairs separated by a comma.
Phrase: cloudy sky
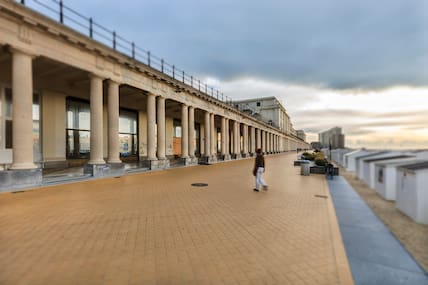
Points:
[[358, 64]]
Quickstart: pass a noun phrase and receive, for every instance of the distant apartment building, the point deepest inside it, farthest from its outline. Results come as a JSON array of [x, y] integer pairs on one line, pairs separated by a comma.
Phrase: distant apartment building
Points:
[[333, 137], [269, 110]]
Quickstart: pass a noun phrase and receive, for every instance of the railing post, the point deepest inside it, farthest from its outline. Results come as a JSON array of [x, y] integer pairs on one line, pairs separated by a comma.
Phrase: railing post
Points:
[[183, 76], [173, 72], [133, 50], [222, 98], [162, 65], [206, 89], [90, 28], [212, 92], [148, 58], [61, 15], [114, 40], [191, 80], [199, 85], [217, 94]]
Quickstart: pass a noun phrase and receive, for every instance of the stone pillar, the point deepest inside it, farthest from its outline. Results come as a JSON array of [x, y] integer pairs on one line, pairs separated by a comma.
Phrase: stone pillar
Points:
[[253, 140], [151, 127], [245, 147], [161, 128], [232, 138], [207, 148], [227, 138], [223, 136], [96, 97], [259, 139], [22, 114], [113, 122], [275, 143], [213, 135], [237, 139], [267, 147], [184, 131], [191, 132], [264, 141]]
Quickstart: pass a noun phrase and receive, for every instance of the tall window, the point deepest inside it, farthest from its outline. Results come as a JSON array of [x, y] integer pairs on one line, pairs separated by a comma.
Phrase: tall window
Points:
[[6, 110], [128, 142], [78, 127]]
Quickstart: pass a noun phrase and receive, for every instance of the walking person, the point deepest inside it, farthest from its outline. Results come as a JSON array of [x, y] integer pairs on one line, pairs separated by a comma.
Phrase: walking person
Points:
[[259, 168]]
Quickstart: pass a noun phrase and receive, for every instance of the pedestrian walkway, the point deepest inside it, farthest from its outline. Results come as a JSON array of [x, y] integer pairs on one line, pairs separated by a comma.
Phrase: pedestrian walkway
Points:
[[375, 255], [155, 228]]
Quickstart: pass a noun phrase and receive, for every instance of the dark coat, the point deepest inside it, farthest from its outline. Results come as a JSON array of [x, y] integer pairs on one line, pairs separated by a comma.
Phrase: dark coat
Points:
[[259, 162]]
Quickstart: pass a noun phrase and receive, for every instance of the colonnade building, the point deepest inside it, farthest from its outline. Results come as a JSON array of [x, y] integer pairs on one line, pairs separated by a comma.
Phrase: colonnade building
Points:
[[67, 100]]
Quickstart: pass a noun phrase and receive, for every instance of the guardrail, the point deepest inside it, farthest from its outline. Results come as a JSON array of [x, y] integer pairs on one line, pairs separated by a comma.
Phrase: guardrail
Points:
[[57, 10]]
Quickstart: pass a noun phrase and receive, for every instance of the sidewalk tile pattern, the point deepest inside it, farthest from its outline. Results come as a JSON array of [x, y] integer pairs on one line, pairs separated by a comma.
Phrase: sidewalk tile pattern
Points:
[[155, 228]]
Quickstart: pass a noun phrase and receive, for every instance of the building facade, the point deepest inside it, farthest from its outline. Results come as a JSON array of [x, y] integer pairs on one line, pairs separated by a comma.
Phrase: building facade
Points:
[[269, 110], [67, 100]]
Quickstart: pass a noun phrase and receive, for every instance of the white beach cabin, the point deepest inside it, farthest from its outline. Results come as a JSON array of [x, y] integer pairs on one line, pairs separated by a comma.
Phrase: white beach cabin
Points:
[[386, 176], [368, 172], [412, 192], [349, 158]]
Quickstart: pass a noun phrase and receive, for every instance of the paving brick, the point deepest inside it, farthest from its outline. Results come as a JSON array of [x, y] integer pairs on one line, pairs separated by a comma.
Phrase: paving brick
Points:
[[154, 228]]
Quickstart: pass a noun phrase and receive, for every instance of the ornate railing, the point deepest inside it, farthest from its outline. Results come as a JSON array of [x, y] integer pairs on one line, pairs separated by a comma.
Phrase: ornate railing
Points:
[[57, 10]]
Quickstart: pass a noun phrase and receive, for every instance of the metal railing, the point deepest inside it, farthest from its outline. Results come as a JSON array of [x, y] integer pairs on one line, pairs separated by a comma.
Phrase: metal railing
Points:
[[57, 10]]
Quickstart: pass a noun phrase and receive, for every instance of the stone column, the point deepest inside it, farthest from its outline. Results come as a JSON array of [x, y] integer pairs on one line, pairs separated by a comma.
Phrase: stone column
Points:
[[245, 147], [113, 122], [184, 131], [232, 137], [223, 136], [207, 149], [234, 150], [227, 138], [238, 137], [259, 139], [253, 140], [264, 141], [22, 114], [161, 128], [274, 143], [151, 127], [96, 97], [267, 147], [213, 135], [191, 131]]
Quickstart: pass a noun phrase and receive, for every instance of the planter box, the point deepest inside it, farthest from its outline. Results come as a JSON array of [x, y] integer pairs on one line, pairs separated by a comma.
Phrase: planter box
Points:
[[321, 170]]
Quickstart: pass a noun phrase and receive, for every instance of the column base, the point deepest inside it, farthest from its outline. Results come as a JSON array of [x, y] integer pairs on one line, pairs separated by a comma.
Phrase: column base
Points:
[[17, 179], [236, 156], [156, 164], [206, 160], [189, 161], [244, 155], [104, 170], [226, 157]]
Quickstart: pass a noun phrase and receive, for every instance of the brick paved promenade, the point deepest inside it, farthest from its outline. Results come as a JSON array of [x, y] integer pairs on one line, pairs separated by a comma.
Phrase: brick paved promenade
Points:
[[154, 228]]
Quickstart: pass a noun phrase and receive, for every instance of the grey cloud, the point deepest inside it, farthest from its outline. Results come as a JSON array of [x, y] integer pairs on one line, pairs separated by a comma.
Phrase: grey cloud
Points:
[[338, 44]]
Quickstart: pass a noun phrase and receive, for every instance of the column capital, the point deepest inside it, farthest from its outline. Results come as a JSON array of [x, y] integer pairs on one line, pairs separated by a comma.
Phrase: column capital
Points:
[[95, 76], [112, 82], [23, 51]]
